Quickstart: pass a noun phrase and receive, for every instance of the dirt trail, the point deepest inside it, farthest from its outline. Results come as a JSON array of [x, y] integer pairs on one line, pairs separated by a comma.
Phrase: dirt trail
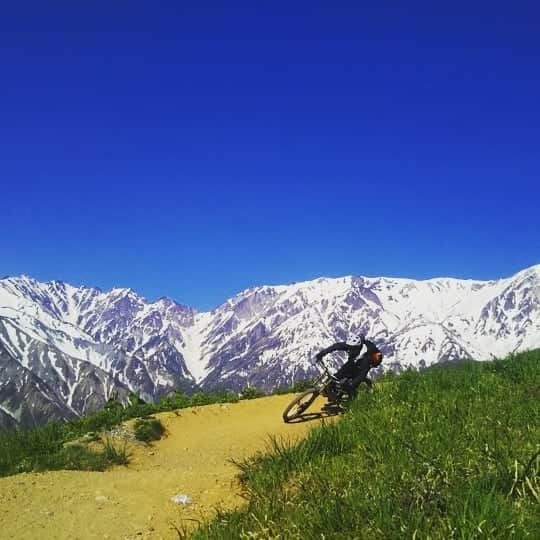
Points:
[[134, 501]]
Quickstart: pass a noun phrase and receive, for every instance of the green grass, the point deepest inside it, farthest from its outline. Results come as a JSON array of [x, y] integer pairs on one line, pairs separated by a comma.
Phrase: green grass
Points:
[[148, 429], [46, 449], [449, 453]]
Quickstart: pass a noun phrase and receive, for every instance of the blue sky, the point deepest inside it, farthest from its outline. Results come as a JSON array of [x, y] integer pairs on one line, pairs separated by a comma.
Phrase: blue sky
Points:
[[194, 149]]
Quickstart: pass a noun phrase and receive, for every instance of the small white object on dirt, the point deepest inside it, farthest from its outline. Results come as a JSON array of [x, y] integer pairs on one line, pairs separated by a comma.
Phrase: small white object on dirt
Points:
[[180, 498], [101, 498]]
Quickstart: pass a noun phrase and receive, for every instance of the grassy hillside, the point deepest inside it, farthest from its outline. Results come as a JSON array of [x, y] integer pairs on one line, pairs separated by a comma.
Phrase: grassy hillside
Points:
[[453, 452]]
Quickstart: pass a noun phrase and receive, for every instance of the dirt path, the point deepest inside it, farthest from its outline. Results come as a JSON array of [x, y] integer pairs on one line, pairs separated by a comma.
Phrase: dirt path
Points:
[[134, 501]]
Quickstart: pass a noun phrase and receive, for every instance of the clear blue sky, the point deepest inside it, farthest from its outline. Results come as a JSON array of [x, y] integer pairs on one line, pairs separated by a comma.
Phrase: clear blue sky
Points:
[[194, 149]]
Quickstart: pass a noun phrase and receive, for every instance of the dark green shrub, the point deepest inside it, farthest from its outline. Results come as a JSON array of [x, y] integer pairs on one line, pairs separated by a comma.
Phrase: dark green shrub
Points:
[[199, 398], [114, 455], [135, 399], [250, 392], [148, 429]]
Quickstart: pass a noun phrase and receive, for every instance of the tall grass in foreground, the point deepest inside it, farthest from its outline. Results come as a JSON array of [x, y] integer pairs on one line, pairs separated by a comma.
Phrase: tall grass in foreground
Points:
[[449, 453]]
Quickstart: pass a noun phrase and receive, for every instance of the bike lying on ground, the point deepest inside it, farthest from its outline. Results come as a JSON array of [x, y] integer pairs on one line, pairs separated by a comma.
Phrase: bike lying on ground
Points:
[[326, 385]]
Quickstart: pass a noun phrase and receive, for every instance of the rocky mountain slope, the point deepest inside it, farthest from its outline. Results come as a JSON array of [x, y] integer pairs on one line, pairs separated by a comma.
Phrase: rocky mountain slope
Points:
[[65, 350]]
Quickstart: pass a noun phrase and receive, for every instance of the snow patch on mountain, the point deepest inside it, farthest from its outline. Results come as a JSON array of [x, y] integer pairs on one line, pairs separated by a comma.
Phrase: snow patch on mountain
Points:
[[90, 344]]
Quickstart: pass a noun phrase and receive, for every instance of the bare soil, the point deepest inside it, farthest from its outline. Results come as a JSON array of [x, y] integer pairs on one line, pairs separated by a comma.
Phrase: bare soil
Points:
[[134, 501]]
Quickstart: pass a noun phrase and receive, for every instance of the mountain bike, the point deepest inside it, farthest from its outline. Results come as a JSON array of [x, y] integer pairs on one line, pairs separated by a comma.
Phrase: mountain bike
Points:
[[326, 385]]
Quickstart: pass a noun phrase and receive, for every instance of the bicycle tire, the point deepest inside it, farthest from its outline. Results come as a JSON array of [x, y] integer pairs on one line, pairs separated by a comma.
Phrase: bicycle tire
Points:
[[300, 404]]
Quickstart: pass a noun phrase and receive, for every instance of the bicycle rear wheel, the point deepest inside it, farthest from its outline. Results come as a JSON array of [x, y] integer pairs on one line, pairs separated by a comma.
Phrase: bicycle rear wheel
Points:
[[299, 404]]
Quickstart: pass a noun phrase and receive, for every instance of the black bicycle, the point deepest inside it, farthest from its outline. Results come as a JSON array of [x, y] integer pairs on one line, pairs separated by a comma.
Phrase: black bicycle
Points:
[[326, 385]]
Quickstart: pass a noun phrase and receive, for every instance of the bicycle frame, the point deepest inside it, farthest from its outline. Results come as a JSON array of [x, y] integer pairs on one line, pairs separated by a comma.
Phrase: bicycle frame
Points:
[[325, 377]]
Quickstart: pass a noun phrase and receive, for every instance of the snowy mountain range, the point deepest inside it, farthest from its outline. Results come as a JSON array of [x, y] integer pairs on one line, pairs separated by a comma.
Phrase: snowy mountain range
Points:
[[65, 350]]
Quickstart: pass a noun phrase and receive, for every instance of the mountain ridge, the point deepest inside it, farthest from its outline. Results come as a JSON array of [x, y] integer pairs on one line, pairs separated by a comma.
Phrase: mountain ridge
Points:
[[265, 336]]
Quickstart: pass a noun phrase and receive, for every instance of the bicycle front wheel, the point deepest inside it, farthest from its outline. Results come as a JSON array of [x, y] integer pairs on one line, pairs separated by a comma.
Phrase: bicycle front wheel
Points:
[[299, 404]]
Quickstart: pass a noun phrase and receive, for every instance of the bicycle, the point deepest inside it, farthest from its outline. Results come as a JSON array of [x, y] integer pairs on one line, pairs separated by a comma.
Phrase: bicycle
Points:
[[326, 385]]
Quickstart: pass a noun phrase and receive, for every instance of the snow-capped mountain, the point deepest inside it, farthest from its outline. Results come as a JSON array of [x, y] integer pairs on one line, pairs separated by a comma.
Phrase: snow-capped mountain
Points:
[[79, 347], [269, 335], [65, 350]]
